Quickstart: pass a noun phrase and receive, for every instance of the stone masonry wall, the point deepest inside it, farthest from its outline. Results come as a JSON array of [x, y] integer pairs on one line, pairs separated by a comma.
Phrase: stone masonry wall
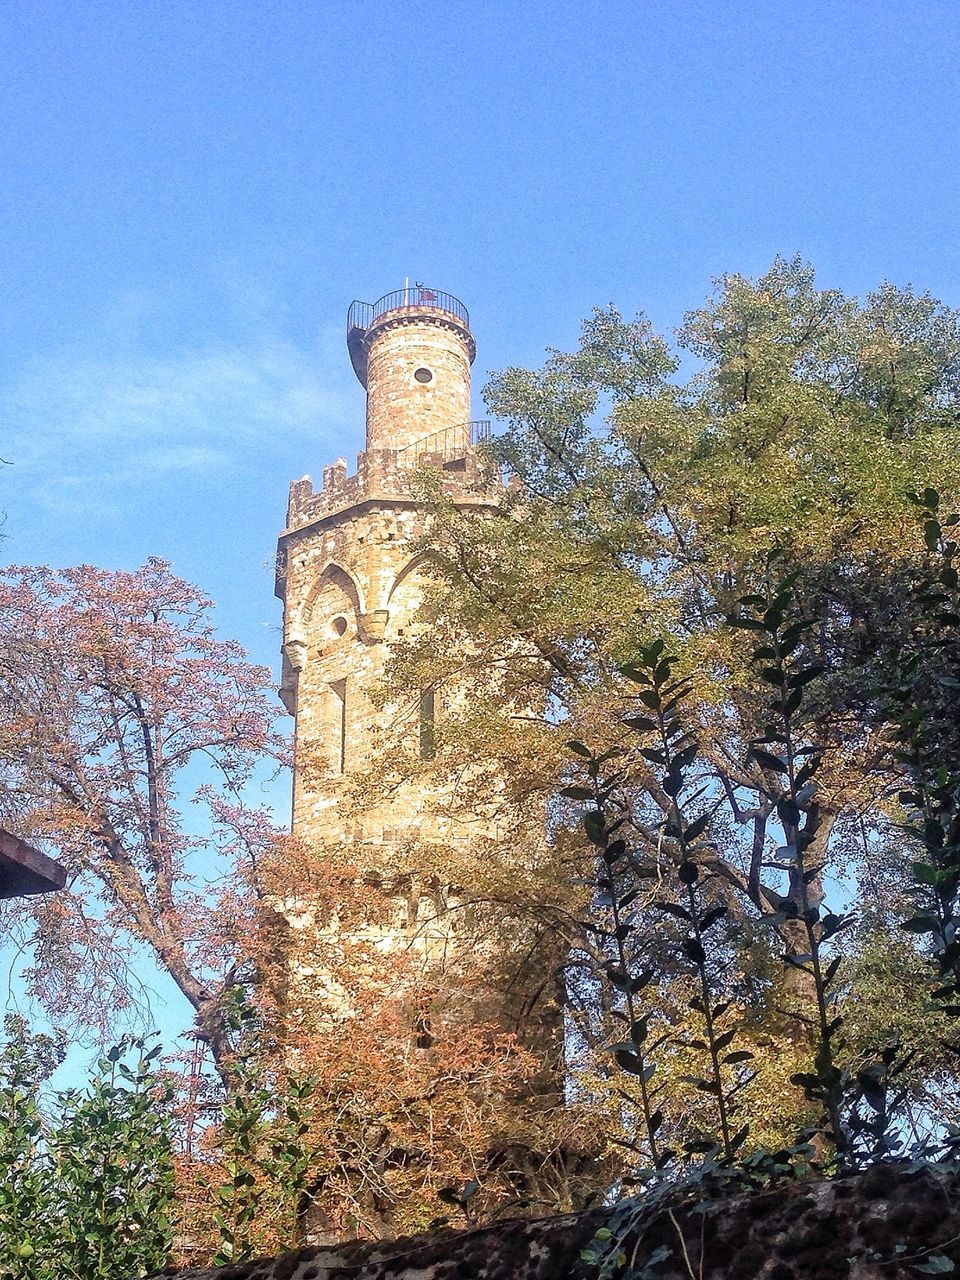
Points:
[[352, 586], [401, 409], [352, 573], [352, 570]]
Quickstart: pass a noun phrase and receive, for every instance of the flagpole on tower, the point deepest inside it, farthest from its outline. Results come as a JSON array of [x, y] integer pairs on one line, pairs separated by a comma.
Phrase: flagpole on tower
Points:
[[406, 291]]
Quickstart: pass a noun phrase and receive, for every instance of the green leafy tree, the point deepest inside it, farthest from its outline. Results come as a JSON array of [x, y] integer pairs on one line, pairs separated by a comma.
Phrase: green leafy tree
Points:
[[110, 1146], [646, 510], [27, 1201], [87, 1192], [244, 1185]]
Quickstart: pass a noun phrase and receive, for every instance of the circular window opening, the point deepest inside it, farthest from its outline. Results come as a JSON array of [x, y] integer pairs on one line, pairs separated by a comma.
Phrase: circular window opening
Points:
[[423, 375], [340, 626]]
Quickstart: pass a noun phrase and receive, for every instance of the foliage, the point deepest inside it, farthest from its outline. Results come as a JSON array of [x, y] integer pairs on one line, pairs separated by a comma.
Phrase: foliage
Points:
[[861, 1110], [921, 699], [718, 595], [241, 1187], [87, 1192], [415, 1081], [118, 703], [752, 523]]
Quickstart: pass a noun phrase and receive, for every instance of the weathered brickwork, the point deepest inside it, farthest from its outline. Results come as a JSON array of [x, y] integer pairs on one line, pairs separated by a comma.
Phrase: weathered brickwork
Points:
[[352, 584], [407, 345], [353, 567]]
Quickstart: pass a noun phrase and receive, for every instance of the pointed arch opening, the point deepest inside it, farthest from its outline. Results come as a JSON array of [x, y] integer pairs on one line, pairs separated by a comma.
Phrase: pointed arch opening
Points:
[[418, 562], [333, 607]]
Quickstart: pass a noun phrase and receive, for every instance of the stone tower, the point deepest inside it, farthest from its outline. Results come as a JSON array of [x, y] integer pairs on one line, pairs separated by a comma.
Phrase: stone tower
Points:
[[347, 572], [352, 569]]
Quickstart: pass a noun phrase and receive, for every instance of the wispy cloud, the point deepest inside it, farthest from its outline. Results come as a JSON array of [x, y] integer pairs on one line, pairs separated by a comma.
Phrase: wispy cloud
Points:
[[79, 427]]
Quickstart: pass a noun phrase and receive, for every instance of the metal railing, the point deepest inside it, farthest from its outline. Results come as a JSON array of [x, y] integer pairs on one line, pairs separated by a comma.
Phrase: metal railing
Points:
[[362, 314], [449, 443]]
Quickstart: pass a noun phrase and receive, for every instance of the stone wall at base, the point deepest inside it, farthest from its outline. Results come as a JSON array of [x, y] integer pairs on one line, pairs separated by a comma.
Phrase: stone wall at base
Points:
[[877, 1225]]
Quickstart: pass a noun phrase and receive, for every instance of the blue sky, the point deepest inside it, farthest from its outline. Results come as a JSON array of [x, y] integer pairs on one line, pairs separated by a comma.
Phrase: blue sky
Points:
[[193, 191]]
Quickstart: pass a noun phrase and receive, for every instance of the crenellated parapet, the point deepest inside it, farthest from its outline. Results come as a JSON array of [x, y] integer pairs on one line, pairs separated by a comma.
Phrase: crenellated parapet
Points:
[[389, 474]]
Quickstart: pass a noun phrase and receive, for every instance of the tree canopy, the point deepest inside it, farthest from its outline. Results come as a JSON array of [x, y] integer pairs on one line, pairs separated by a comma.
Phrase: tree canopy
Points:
[[648, 510], [703, 666], [120, 710]]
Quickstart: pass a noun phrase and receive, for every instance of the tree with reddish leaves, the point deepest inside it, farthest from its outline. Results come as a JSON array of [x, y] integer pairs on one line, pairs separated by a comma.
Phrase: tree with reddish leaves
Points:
[[128, 733]]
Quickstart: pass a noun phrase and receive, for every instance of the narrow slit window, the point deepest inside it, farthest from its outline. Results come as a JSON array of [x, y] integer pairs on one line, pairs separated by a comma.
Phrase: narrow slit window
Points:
[[422, 1030], [428, 739], [339, 703]]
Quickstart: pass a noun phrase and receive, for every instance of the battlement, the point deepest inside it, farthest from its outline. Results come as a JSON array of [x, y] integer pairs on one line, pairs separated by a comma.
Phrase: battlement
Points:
[[385, 474]]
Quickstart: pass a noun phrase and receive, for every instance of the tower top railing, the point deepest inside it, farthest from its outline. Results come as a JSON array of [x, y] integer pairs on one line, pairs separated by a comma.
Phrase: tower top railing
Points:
[[411, 299], [449, 443], [363, 314]]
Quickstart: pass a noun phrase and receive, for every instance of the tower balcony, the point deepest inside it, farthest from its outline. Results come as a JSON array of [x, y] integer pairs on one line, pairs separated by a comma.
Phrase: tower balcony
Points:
[[411, 304], [447, 446]]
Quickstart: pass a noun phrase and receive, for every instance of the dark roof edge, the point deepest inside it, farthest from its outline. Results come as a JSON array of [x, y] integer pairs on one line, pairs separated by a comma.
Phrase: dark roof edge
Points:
[[25, 870]]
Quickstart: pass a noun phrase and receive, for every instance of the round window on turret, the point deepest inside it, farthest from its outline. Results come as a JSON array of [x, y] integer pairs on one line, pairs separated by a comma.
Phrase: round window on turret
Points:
[[339, 626], [423, 375]]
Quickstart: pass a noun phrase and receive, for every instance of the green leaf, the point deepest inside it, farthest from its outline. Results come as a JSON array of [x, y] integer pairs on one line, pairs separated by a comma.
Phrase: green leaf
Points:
[[920, 924], [643, 979], [638, 1029], [938, 1264], [637, 674], [739, 1137], [642, 724], [619, 977], [594, 825], [767, 760], [628, 1061], [793, 702], [747, 624], [801, 678], [576, 793], [674, 909], [696, 828]]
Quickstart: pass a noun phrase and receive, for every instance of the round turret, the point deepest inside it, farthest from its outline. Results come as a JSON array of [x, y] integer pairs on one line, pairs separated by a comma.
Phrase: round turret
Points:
[[412, 351]]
